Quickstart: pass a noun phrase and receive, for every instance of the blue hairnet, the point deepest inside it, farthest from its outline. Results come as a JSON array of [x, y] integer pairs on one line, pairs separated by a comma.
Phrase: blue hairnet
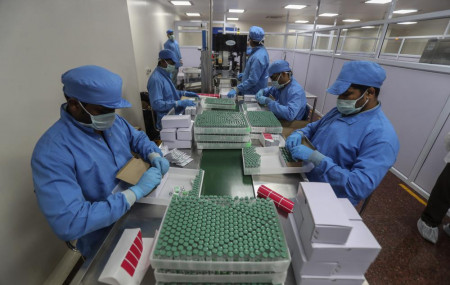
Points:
[[279, 66], [256, 33], [168, 54], [360, 72], [169, 31], [94, 85]]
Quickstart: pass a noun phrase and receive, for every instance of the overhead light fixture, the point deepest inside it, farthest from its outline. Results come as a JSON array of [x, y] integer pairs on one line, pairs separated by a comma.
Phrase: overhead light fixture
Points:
[[344, 30], [351, 20], [195, 21], [193, 14], [181, 3], [378, 1], [296, 7], [406, 11], [301, 21], [328, 15], [407, 23], [233, 19], [236, 10], [368, 27]]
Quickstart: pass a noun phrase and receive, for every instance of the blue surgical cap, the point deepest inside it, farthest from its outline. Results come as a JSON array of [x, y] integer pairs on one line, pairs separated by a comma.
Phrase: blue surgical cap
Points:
[[278, 66], [361, 72], [94, 85], [256, 33], [169, 31], [168, 54]]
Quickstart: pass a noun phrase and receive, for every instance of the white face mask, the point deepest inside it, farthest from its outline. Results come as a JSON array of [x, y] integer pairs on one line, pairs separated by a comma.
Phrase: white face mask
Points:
[[99, 122], [278, 85], [170, 67], [347, 107], [171, 37]]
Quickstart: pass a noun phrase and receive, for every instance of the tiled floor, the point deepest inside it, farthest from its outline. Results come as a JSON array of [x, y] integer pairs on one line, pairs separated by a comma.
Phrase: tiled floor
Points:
[[405, 258]]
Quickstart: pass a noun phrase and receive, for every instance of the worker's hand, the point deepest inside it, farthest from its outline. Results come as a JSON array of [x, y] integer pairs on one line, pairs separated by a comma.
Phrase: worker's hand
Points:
[[161, 163], [232, 93], [149, 180], [260, 93], [301, 152], [239, 77], [294, 140], [262, 100], [185, 103], [190, 94]]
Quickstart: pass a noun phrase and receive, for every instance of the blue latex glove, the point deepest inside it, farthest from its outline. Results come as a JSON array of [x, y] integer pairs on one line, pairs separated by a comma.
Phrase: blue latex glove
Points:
[[190, 94], [161, 163], [294, 140], [232, 93], [240, 75], [262, 100], [185, 103], [301, 152], [260, 93], [149, 180]]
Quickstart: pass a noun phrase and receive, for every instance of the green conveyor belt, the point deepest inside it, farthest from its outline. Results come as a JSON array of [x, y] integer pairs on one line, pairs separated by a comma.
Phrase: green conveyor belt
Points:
[[224, 174]]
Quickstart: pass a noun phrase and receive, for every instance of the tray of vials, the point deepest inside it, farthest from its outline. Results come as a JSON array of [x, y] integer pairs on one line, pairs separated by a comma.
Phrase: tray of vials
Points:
[[264, 122], [271, 160], [219, 103], [221, 122]]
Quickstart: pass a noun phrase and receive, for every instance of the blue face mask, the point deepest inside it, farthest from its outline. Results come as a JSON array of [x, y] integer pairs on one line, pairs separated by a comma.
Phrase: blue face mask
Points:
[[249, 50], [347, 107], [170, 67], [100, 122]]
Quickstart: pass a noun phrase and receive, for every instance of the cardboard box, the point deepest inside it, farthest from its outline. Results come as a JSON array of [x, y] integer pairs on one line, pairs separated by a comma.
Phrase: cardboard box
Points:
[[185, 134], [249, 98], [178, 144], [133, 170], [175, 121], [267, 140], [331, 280], [168, 135], [361, 247], [323, 218], [349, 210]]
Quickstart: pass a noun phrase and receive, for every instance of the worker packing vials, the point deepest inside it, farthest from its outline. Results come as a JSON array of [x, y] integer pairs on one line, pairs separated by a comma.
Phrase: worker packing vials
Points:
[[255, 75], [161, 91]]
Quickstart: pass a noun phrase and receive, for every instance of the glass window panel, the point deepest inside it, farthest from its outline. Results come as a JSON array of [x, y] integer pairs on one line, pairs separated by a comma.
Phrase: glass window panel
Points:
[[359, 40], [274, 41], [325, 41], [190, 38], [304, 41], [290, 44], [421, 6]]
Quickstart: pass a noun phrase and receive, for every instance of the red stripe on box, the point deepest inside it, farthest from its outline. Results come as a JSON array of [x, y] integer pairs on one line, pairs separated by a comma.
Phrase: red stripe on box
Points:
[[138, 243], [128, 267], [280, 201], [135, 251], [132, 259]]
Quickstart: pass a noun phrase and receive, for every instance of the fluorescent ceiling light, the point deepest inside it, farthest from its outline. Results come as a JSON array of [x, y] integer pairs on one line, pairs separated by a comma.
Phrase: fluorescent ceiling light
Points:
[[193, 14], [236, 10], [181, 3], [301, 21], [378, 1], [297, 7], [351, 20], [233, 19], [328, 15], [406, 11], [344, 30], [195, 21], [368, 27], [407, 23]]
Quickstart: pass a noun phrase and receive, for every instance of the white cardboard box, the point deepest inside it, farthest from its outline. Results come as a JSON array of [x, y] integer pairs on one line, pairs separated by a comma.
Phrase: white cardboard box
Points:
[[168, 135], [175, 121], [323, 218], [185, 134], [178, 144], [361, 247], [331, 280], [349, 210]]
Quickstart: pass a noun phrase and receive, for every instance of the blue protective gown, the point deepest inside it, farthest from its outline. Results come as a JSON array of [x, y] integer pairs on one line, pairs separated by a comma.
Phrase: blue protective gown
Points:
[[290, 101], [359, 150], [74, 173], [256, 72], [162, 94], [173, 46]]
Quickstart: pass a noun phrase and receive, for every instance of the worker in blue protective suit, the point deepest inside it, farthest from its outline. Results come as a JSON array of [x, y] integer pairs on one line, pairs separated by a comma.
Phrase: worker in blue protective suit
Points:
[[255, 74], [172, 44], [161, 91], [356, 143], [290, 98], [248, 52], [76, 161]]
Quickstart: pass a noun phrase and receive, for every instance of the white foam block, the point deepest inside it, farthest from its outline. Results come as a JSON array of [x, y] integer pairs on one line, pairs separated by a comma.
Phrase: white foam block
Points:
[[168, 135], [178, 144], [185, 134], [323, 218], [349, 210], [175, 121]]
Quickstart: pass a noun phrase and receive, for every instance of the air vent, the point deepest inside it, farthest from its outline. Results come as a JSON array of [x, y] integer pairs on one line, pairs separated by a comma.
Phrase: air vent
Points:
[[275, 17]]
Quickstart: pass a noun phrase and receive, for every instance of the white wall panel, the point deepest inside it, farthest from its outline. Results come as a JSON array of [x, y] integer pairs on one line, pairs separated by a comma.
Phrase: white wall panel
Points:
[[434, 163], [317, 78], [300, 67], [330, 99], [191, 56], [274, 54], [412, 100]]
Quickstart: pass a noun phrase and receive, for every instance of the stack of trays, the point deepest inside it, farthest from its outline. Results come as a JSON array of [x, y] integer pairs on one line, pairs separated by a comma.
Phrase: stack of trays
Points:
[[220, 239], [327, 238], [219, 103], [263, 122], [221, 130]]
